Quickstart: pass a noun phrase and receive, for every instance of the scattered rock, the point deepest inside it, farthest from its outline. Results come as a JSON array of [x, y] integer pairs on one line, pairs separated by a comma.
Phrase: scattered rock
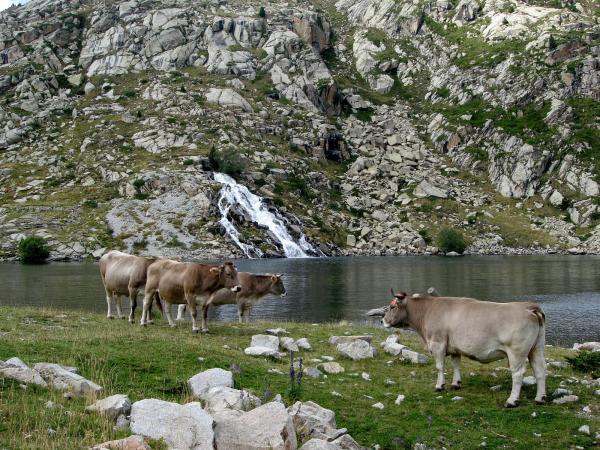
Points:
[[112, 406], [63, 379], [134, 442], [399, 399], [331, 368], [17, 370], [584, 429], [220, 398], [203, 381], [378, 405], [303, 344], [356, 349], [565, 399]]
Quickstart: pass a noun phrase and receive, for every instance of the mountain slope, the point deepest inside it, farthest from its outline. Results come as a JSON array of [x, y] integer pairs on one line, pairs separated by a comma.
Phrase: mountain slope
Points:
[[369, 124]]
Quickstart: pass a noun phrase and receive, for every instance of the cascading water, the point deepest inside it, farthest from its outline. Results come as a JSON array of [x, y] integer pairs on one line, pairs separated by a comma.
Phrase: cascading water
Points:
[[232, 194]]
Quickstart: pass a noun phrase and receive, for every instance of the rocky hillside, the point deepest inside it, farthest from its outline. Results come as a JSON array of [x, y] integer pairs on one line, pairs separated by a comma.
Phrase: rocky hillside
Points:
[[368, 124]]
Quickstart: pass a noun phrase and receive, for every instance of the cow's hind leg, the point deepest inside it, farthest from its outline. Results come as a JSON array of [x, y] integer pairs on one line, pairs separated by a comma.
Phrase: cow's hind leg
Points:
[[438, 352], [518, 365], [109, 314], [205, 318], [148, 297], [180, 312], [167, 312], [118, 301], [456, 382], [133, 293], [538, 364]]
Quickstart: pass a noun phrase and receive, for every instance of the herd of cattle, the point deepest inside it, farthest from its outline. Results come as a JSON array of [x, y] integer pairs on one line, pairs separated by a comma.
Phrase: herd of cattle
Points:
[[181, 283], [454, 326]]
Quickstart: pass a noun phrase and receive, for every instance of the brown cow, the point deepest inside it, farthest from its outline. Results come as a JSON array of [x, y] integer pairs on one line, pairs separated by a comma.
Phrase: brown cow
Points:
[[483, 331], [123, 275], [186, 283], [254, 288]]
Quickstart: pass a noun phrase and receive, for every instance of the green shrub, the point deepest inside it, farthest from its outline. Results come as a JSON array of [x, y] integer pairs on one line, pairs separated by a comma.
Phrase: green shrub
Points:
[[90, 204], [226, 160], [33, 250], [451, 240], [261, 12], [588, 362]]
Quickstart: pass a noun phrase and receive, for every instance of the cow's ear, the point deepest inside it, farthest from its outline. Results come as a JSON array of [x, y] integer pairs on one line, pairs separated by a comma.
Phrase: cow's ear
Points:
[[274, 277], [216, 269], [278, 275]]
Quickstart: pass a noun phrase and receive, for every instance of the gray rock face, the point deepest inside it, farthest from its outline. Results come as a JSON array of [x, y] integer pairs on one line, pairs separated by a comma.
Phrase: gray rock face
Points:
[[268, 427], [112, 406], [60, 378], [356, 350], [331, 368], [185, 427], [426, 189], [319, 444], [202, 382]]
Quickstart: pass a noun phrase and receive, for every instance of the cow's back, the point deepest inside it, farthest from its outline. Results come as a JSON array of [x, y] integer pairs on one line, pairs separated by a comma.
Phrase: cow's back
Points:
[[120, 271], [466, 322]]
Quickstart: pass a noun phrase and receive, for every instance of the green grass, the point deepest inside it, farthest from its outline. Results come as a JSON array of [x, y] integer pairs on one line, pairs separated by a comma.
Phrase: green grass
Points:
[[156, 361]]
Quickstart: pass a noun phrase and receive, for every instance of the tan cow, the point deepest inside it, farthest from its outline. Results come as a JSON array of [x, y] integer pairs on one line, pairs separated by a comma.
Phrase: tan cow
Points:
[[186, 283], [123, 275], [483, 331], [254, 288]]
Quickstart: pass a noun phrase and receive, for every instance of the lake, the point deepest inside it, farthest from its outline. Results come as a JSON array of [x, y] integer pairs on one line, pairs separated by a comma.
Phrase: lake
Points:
[[332, 289]]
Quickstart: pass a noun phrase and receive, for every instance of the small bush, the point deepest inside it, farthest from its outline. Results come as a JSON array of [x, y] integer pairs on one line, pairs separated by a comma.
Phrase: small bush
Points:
[[450, 240], [33, 250], [261, 12], [90, 204], [227, 161], [588, 362]]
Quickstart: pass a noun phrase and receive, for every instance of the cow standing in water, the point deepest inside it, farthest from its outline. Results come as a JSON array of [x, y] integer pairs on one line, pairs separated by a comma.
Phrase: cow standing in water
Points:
[[483, 331], [254, 288], [124, 275], [186, 283]]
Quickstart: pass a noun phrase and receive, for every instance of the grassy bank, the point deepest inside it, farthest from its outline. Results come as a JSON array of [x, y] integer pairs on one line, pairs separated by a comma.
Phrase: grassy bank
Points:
[[157, 361]]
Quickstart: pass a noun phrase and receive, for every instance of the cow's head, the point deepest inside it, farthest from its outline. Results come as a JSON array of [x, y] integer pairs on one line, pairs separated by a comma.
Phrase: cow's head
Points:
[[228, 276], [396, 315], [277, 287]]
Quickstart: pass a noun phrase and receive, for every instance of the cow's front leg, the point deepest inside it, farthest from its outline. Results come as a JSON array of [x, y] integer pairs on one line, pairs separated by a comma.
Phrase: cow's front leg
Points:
[[241, 313], [518, 365], [180, 312], [438, 352], [456, 382], [247, 314]]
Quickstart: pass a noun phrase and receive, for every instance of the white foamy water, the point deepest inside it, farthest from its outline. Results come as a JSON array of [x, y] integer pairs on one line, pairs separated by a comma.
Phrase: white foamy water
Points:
[[254, 206]]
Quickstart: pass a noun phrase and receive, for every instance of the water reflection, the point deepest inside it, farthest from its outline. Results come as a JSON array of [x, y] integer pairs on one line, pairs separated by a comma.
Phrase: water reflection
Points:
[[567, 287]]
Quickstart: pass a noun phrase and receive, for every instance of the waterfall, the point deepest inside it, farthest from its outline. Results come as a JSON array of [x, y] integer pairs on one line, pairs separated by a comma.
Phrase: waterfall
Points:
[[254, 206]]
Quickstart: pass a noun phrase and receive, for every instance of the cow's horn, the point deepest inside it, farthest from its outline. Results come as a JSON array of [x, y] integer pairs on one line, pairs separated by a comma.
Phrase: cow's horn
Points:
[[392, 291]]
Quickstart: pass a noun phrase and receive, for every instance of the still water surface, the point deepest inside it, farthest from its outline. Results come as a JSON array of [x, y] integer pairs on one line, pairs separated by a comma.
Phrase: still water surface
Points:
[[328, 289]]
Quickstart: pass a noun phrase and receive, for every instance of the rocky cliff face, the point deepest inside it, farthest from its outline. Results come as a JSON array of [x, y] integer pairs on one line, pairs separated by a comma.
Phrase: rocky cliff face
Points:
[[370, 124]]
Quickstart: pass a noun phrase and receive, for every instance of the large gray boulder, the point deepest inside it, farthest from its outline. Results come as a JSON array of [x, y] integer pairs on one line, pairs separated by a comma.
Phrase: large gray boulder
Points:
[[112, 406], [202, 382], [320, 444], [181, 427], [356, 350], [268, 427], [63, 379], [265, 340]]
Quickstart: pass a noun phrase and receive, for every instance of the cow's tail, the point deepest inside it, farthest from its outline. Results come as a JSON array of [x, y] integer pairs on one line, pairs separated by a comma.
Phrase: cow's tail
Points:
[[540, 342], [537, 311]]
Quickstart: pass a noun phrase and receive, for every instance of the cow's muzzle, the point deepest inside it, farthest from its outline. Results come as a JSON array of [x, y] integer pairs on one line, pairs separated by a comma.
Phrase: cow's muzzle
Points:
[[236, 289], [385, 324]]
